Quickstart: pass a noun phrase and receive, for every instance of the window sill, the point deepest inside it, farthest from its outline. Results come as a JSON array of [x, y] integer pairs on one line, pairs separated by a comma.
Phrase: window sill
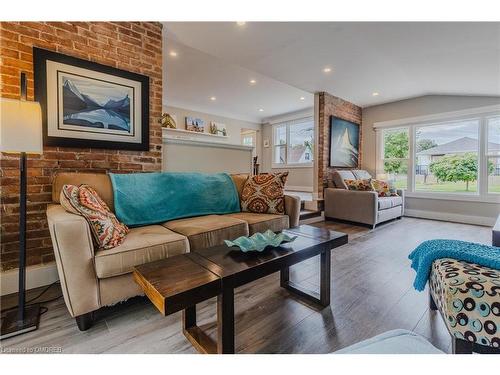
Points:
[[286, 166], [490, 198]]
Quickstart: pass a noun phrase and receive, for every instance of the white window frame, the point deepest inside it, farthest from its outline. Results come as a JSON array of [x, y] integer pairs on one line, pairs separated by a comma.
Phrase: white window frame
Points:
[[287, 125], [482, 114]]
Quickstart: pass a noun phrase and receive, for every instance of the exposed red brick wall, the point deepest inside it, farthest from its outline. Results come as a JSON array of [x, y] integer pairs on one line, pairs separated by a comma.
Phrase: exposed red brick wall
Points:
[[132, 46], [330, 105]]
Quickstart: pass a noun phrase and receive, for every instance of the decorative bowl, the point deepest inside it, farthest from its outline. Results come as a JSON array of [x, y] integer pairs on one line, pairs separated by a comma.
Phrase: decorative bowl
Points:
[[259, 241]]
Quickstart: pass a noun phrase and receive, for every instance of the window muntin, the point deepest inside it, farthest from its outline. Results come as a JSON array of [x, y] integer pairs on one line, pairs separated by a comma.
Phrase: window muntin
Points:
[[493, 154]]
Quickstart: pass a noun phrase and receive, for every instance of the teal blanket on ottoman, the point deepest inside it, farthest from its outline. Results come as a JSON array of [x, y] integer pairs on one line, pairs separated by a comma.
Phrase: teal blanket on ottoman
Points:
[[151, 198]]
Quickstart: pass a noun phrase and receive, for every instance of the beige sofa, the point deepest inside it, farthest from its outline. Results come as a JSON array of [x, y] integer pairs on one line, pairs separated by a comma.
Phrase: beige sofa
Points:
[[364, 207], [92, 278]]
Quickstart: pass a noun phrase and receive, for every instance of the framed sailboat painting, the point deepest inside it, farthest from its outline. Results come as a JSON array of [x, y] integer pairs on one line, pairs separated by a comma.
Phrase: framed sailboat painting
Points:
[[344, 143], [85, 104]]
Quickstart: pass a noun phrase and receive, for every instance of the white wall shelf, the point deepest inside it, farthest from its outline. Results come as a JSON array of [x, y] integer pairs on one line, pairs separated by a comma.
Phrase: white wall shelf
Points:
[[186, 133]]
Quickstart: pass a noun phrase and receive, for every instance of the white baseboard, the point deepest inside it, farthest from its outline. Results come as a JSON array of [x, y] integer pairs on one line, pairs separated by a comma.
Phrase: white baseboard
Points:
[[456, 218], [307, 189], [36, 276]]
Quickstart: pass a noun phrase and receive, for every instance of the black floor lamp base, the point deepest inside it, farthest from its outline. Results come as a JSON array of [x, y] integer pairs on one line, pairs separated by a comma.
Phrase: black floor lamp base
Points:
[[10, 326]]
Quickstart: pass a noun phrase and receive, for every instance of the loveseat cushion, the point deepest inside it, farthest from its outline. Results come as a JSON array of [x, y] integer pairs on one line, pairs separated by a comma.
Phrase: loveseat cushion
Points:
[[468, 296], [338, 177], [142, 245], [384, 203], [262, 222], [208, 231], [361, 174]]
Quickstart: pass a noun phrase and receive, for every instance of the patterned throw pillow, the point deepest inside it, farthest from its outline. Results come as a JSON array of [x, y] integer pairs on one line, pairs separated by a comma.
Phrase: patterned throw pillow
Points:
[[107, 231], [382, 188], [263, 194], [359, 185]]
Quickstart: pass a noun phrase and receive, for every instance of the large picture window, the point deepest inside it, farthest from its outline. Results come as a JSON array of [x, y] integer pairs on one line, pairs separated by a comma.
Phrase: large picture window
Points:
[[447, 157], [293, 143]]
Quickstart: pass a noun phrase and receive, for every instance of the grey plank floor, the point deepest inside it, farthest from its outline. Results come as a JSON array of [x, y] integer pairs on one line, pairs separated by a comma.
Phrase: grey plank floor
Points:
[[371, 293]]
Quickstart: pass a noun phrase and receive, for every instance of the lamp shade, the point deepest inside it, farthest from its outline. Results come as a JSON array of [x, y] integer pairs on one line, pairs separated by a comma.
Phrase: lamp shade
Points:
[[20, 126]]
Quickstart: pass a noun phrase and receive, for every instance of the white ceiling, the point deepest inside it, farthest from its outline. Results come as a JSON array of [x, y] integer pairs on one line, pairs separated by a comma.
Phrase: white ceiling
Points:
[[397, 60], [193, 77]]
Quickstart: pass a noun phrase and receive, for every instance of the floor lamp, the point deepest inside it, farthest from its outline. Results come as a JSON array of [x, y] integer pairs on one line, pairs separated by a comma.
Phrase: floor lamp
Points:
[[21, 133]]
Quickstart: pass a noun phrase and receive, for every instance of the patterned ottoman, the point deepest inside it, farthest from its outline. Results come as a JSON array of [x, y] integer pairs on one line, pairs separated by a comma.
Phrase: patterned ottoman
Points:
[[468, 297]]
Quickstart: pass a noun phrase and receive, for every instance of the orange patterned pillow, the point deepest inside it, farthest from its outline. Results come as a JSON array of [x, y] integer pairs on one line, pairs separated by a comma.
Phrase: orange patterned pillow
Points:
[[382, 188], [359, 185], [264, 194], [107, 231]]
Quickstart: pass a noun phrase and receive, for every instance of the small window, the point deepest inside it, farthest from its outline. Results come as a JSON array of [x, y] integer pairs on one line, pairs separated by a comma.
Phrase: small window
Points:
[[293, 143]]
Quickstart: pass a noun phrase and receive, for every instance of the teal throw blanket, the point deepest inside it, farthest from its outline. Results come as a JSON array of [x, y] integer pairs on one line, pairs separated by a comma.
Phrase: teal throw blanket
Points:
[[151, 198], [428, 251]]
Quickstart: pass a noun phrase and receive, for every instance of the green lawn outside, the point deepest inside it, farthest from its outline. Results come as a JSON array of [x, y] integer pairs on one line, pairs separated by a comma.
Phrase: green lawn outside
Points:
[[448, 187]]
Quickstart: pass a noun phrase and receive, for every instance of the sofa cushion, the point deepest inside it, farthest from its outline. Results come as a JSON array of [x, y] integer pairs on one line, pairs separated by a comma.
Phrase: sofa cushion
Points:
[[208, 231], [385, 203], [239, 181], [142, 245], [398, 341], [338, 177], [262, 222], [361, 174]]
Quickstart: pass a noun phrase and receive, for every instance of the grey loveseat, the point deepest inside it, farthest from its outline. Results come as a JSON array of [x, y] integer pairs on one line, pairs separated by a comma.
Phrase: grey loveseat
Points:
[[364, 207]]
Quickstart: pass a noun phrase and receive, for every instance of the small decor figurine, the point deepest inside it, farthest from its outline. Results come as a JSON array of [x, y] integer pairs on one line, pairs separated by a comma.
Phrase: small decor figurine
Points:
[[168, 121], [213, 128], [195, 124], [259, 241], [217, 128]]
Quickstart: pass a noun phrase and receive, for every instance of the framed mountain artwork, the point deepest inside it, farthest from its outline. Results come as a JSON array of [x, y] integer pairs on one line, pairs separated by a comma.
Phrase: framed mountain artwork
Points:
[[85, 104], [344, 143]]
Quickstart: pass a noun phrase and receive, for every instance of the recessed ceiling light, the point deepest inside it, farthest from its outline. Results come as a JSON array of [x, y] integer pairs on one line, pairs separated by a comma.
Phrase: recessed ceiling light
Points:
[[253, 81], [375, 93], [327, 69], [173, 53], [241, 23], [302, 98], [261, 110], [213, 98]]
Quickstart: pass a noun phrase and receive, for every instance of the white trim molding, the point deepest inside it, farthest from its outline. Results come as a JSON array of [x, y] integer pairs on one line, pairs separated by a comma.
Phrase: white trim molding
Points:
[[308, 189], [36, 276], [444, 116], [446, 216]]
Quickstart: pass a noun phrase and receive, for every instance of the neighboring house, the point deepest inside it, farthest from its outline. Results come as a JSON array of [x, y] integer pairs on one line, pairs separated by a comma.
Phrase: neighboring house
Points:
[[459, 146], [300, 154]]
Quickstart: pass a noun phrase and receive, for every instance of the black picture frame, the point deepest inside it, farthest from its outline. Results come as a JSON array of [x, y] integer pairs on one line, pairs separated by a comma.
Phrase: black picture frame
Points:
[[333, 162], [40, 58]]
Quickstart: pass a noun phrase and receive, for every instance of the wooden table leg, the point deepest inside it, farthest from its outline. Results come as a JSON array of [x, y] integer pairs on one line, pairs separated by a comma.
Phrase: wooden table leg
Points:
[[323, 297], [199, 339], [325, 278], [284, 277], [225, 321]]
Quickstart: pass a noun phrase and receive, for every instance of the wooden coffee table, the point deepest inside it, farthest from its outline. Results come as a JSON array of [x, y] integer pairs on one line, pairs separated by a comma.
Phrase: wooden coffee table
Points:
[[180, 282]]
